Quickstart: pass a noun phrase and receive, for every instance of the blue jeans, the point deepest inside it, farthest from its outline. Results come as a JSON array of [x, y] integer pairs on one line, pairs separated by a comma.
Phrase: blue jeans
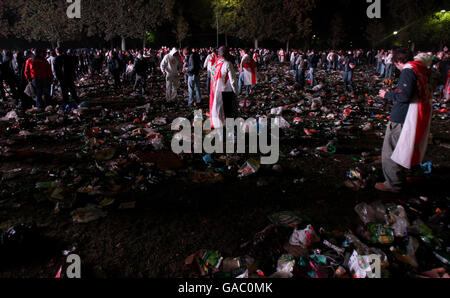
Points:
[[330, 66], [388, 73], [300, 78], [378, 67], [241, 84], [347, 76], [42, 89], [53, 87], [383, 68], [194, 86]]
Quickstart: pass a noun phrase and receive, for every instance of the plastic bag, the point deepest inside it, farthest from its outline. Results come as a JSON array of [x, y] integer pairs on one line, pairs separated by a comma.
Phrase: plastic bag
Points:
[[29, 90], [304, 238], [286, 264], [401, 223]]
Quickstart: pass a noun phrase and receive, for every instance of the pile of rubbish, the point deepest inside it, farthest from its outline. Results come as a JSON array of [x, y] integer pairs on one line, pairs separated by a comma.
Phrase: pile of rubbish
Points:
[[113, 151], [393, 240]]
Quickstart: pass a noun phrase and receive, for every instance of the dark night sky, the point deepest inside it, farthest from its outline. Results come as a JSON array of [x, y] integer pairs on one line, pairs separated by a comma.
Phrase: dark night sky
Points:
[[200, 17]]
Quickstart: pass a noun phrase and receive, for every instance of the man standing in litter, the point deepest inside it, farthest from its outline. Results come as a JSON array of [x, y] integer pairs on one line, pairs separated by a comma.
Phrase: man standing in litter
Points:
[[209, 62], [224, 90], [248, 75], [171, 67], [407, 134]]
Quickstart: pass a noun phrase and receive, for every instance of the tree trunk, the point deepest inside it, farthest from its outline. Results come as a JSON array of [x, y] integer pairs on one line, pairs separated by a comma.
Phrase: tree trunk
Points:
[[226, 40], [287, 46], [124, 44], [112, 44], [413, 46], [58, 43], [145, 39], [256, 43]]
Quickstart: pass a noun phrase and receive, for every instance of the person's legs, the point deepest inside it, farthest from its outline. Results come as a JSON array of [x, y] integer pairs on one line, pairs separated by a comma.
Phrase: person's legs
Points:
[[197, 88], [389, 72], [144, 84], [73, 91], [247, 89], [168, 90], [344, 77], [302, 79], [137, 82], [392, 171], [350, 80], [2, 90], [64, 92], [38, 91], [46, 84], [174, 89], [191, 90], [241, 82]]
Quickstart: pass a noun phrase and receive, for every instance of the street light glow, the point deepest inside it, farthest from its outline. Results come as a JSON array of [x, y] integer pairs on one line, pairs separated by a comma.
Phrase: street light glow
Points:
[[395, 32]]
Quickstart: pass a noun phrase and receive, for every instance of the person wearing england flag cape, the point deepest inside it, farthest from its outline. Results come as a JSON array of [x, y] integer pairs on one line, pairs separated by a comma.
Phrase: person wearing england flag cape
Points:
[[224, 89], [408, 131], [281, 56], [209, 62], [248, 72]]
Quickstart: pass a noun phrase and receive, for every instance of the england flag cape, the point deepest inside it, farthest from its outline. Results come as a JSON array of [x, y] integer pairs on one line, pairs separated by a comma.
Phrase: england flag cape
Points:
[[282, 56], [447, 85], [218, 83], [249, 68], [413, 142]]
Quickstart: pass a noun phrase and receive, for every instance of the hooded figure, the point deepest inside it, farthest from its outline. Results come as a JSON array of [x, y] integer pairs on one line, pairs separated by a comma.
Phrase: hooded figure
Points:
[[223, 91], [170, 67]]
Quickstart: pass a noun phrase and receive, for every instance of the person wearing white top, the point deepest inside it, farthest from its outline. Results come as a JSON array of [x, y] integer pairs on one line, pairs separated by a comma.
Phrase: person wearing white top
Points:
[[389, 68], [171, 67]]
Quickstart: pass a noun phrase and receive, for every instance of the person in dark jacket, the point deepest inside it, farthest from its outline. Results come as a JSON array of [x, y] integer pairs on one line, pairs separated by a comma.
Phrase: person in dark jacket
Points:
[[141, 70], [65, 72], [193, 71], [114, 68], [313, 60], [18, 63], [348, 65], [7, 75], [406, 93]]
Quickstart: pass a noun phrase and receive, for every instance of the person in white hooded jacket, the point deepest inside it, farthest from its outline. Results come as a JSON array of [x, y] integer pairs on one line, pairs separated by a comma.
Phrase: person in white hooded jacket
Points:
[[171, 67]]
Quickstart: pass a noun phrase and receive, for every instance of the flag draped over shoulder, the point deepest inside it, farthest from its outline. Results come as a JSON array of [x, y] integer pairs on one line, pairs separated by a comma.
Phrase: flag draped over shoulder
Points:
[[249, 67], [218, 84], [413, 142]]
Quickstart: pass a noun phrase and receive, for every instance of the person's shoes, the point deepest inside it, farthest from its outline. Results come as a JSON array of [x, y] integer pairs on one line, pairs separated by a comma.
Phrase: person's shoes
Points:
[[384, 188]]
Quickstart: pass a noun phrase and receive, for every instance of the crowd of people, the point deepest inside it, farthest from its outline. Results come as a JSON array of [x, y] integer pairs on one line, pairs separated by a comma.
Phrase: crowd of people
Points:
[[59, 69], [35, 78]]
